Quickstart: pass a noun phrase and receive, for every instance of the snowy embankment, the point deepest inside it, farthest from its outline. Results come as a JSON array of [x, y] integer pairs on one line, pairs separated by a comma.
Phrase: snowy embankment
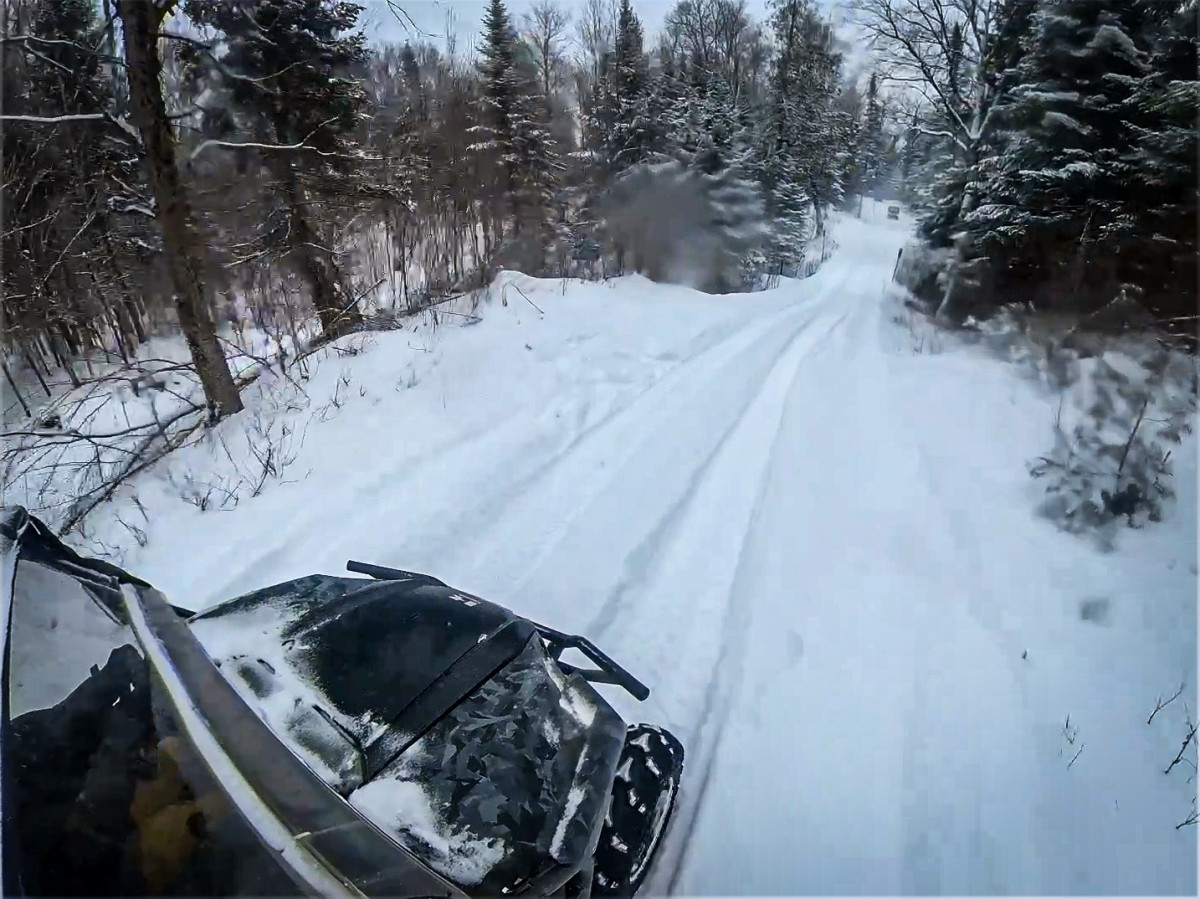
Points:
[[817, 546]]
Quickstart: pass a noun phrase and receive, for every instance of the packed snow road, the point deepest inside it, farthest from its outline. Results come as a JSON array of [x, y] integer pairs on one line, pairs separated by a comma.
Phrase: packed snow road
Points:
[[815, 547]]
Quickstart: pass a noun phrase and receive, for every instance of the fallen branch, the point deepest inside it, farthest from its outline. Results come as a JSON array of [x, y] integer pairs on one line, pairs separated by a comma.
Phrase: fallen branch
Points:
[[1072, 762], [235, 145], [1182, 749], [1160, 705], [83, 505], [56, 119], [1128, 443], [467, 315], [527, 300]]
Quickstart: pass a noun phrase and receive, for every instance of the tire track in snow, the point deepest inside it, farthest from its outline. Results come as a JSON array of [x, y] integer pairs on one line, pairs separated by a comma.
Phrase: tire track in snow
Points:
[[525, 561], [516, 458], [640, 563], [503, 501], [763, 414], [727, 672], [768, 600], [958, 826]]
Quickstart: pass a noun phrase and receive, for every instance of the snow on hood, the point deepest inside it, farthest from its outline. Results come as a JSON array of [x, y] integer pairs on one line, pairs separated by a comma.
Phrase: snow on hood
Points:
[[250, 652], [403, 807]]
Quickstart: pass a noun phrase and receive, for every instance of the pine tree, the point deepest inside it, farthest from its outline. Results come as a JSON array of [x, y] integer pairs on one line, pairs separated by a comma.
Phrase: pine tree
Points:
[[726, 125], [1054, 200], [410, 72], [513, 139], [910, 156], [620, 129], [498, 94], [799, 135], [291, 60], [852, 158], [804, 85], [537, 172], [872, 138], [949, 166], [65, 190], [412, 126], [684, 125], [660, 106], [1161, 114]]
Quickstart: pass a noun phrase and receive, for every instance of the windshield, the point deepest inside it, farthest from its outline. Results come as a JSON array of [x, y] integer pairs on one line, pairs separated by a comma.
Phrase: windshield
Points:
[[104, 795]]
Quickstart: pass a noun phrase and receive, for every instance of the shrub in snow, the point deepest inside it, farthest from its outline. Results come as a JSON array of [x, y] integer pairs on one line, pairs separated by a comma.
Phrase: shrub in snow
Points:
[[1121, 411], [920, 268]]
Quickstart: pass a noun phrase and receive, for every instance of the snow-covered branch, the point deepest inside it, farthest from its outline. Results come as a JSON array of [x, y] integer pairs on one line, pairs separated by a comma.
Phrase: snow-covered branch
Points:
[[118, 121], [51, 42], [56, 119], [302, 144], [921, 37], [225, 71]]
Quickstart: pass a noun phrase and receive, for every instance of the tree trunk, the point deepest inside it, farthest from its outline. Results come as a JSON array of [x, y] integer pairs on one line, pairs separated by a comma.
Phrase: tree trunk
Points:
[[126, 309], [135, 319], [317, 266], [57, 347], [141, 20], [948, 308], [13, 384], [33, 367], [69, 336], [113, 320]]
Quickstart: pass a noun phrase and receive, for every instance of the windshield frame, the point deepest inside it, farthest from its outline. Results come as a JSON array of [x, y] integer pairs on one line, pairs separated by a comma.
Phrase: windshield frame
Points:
[[325, 844]]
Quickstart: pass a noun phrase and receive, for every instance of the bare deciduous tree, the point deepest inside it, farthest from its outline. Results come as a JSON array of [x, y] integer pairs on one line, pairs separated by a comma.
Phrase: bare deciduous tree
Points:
[[941, 49], [546, 28], [918, 39], [595, 34], [142, 20]]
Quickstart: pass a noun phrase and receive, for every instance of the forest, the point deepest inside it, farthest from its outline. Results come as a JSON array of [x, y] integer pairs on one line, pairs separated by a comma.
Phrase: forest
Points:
[[176, 167]]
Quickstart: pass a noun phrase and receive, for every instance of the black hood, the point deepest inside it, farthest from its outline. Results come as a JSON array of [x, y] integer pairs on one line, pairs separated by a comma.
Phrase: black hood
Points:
[[370, 647]]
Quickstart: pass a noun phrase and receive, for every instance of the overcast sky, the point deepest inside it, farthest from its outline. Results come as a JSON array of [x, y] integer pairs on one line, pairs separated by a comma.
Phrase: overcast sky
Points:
[[381, 24]]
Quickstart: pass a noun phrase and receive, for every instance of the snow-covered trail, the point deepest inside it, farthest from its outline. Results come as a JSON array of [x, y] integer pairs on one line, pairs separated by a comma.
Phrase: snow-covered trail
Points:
[[854, 660], [814, 547], [873, 723]]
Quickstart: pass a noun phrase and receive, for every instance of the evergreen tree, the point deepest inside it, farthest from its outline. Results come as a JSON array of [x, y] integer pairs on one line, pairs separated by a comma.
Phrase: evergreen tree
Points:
[[685, 99], [910, 157], [410, 71], [513, 138], [1054, 199], [292, 60], [726, 125], [1161, 114], [950, 165], [620, 127], [498, 90], [872, 138], [804, 85], [788, 142], [64, 189], [852, 158], [538, 171]]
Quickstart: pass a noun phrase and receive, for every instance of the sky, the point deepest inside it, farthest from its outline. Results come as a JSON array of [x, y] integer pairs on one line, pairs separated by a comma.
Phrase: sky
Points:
[[430, 16]]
